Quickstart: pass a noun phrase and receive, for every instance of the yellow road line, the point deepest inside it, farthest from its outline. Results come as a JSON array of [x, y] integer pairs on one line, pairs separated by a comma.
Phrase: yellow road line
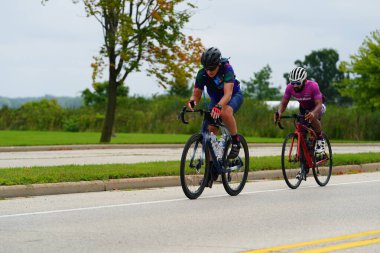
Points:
[[347, 245], [303, 244]]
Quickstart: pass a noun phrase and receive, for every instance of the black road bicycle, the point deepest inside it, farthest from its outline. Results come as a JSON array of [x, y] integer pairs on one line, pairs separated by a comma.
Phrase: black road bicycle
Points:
[[202, 162]]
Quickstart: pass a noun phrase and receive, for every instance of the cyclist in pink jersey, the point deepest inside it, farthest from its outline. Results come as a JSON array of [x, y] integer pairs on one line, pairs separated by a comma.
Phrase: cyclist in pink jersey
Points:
[[307, 93]]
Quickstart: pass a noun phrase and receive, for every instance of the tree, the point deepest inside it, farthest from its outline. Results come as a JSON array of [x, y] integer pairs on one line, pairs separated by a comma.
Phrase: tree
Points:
[[99, 96], [137, 31], [259, 86], [180, 88], [321, 65], [362, 74], [181, 91]]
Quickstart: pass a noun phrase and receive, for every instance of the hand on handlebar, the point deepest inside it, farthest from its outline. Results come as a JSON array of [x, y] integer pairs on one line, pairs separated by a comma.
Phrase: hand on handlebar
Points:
[[310, 116], [216, 111], [191, 104], [276, 117]]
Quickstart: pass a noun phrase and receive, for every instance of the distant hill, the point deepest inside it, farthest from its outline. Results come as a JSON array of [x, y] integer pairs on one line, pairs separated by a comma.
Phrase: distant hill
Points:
[[65, 102]]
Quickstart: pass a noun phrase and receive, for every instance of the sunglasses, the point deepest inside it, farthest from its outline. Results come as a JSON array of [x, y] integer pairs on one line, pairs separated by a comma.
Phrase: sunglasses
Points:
[[297, 83], [211, 68]]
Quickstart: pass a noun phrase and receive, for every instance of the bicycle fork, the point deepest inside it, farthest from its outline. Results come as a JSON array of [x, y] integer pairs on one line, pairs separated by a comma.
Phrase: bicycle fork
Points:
[[198, 166], [300, 156]]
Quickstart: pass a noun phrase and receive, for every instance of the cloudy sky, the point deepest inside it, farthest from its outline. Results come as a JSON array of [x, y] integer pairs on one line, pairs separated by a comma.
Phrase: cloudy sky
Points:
[[48, 49]]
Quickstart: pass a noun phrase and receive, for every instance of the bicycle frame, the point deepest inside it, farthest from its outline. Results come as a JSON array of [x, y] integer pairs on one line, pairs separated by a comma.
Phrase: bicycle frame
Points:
[[300, 130], [201, 166], [218, 163], [296, 165]]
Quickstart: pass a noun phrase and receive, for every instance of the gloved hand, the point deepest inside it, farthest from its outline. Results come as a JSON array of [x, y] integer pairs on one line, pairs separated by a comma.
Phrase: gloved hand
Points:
[[216, 111]]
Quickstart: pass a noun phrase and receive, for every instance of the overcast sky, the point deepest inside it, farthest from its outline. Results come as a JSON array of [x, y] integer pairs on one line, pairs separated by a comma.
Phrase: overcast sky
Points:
[[48, 49]]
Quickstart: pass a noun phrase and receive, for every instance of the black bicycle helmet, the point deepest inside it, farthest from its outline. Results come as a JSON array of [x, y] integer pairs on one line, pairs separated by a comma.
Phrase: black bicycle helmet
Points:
[[211, 57]]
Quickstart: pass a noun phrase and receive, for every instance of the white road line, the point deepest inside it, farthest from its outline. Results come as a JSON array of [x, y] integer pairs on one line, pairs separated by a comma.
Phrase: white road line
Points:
[[167, 201], [92, 208]]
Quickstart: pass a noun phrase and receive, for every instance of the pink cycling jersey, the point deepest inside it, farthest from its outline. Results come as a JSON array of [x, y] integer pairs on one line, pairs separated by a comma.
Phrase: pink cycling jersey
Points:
[[307, 96]]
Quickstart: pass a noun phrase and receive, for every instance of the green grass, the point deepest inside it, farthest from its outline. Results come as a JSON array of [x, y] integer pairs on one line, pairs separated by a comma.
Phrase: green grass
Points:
[[70, 173], [38, 138]]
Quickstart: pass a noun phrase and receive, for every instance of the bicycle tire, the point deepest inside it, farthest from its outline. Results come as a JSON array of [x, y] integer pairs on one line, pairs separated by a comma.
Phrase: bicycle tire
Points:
[[234, 181], [290, 165], [193, 179], [322, 171]]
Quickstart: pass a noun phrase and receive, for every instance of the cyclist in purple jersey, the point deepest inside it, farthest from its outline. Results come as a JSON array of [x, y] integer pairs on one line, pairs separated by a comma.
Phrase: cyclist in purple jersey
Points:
[[224, 91], [307, 93]]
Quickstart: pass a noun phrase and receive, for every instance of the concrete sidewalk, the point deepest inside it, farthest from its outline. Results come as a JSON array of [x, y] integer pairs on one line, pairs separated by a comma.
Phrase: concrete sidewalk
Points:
[[150, 182], [139, 146]]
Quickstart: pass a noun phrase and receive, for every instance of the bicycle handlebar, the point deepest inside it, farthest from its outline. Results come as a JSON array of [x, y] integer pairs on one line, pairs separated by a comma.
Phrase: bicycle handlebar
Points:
[[181, 115], [293, 116]]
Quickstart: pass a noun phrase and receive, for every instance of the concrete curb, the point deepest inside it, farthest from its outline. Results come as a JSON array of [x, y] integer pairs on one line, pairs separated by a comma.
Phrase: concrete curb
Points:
[[149, 182]]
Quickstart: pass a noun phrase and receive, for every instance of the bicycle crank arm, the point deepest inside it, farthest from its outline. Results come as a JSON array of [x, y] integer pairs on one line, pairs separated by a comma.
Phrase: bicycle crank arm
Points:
[[234, 168]]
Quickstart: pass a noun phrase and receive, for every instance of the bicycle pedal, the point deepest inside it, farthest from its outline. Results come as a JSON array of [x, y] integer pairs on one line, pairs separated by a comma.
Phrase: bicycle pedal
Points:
[[301, 176]]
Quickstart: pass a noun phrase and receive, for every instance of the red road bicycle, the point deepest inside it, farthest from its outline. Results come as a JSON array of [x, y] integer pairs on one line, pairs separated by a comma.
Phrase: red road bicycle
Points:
[[298, 155]]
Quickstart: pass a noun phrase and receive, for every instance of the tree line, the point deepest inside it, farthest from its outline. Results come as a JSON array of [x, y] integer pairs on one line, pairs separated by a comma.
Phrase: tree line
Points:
[[65, 102], [159, 115]]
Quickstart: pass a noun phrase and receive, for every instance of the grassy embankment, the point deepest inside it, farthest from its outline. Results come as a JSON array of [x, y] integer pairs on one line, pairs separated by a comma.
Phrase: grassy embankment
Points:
[[37, 138], [70, 173]]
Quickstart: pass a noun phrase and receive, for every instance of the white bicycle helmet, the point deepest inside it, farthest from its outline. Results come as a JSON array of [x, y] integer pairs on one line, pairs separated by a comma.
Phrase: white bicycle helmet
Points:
[[298, 74]]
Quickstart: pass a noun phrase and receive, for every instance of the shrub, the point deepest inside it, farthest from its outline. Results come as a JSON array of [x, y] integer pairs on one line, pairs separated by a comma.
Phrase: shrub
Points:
[[159, 115]]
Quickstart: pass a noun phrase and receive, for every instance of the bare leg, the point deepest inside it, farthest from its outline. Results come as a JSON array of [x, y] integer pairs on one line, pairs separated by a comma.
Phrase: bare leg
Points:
[[229, 119], [316, 125]]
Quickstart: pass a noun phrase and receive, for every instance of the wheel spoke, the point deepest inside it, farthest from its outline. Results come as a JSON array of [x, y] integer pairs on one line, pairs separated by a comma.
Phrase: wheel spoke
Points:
[[323, 166], [193, 167], [291, 162], [236, 170]]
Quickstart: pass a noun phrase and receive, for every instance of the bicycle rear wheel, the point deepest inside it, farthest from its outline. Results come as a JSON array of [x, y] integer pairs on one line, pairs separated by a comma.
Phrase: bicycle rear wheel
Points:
[[291, 166], [194, 167], [236, 170], [323, 164]]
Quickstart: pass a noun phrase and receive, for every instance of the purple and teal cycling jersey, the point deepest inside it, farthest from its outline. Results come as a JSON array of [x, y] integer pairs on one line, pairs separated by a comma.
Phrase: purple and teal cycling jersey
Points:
[[307, 96], [215, 85]]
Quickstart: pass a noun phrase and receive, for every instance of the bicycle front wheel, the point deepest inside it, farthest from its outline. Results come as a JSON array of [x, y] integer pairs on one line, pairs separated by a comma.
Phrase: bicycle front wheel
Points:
[[291, 164], [236, 170], [323, 164], [194, 169]]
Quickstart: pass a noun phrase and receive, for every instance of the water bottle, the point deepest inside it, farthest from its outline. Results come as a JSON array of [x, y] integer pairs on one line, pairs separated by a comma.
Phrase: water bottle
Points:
[[215, 144], [221, 143]]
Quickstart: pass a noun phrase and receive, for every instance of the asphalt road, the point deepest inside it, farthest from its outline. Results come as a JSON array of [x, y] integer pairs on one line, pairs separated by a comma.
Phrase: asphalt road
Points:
[[266, 214], [23, 157]]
